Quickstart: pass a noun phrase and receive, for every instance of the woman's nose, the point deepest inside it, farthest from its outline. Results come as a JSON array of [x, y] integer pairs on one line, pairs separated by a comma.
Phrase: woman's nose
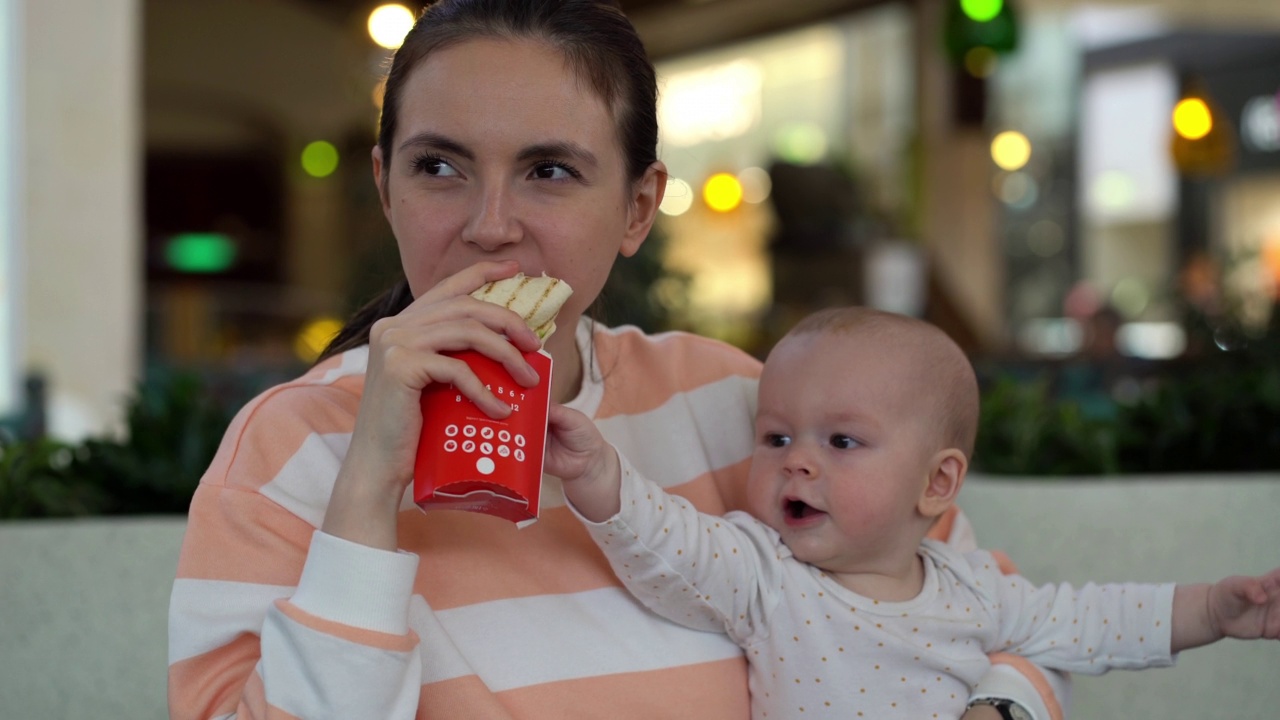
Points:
[[492, 224]]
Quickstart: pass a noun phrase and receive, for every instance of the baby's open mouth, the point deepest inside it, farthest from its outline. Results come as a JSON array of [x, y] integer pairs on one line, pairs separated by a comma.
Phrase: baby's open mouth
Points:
[[798, 509]]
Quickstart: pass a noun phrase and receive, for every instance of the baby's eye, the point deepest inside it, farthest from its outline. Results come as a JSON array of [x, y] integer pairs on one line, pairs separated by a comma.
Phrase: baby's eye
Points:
[[843, 442], [776, 440]]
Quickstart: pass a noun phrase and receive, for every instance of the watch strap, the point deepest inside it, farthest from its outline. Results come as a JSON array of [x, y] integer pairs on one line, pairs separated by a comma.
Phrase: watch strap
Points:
[[1008, 709]]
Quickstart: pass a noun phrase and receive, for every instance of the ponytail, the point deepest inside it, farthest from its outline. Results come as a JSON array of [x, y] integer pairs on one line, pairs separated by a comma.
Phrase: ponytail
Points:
[[356, 332]]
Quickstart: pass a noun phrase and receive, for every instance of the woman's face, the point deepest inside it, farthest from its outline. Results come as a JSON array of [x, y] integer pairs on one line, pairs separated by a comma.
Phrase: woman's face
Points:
[[501, 153]]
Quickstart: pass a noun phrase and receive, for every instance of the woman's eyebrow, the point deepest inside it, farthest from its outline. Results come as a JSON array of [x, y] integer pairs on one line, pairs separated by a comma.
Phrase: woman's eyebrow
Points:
[[439, 142], [562, 149]]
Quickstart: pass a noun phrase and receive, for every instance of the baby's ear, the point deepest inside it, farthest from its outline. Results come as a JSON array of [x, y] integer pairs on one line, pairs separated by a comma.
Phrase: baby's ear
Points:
[[946, 475]]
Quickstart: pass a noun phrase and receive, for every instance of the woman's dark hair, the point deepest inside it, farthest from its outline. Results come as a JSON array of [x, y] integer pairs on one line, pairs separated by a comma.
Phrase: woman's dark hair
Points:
[[599, 44]]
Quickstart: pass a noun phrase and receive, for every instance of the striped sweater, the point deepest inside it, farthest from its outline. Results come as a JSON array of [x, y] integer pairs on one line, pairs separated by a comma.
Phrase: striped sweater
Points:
[[473, 618]]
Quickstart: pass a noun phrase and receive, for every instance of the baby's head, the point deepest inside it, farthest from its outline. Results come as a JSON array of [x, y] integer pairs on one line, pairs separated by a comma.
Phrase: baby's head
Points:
[[936, 377], [866, 423]]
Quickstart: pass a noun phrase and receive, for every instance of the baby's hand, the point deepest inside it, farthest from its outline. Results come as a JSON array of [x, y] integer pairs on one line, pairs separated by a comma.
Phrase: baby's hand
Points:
[[575, 448], [1247, 608], [587, 466]]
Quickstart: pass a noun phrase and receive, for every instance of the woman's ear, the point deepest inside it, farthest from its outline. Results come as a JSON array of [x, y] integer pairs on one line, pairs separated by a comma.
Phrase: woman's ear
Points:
[[379, 181], [946, 475], [646, 196]]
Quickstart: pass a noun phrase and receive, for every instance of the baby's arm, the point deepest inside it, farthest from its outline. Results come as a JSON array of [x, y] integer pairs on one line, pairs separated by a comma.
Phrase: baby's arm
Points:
[[1247, 608], [586, 464], [711, 573]]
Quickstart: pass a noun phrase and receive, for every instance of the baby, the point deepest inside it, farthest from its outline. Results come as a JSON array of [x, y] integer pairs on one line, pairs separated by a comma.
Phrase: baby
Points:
[[865, 426]]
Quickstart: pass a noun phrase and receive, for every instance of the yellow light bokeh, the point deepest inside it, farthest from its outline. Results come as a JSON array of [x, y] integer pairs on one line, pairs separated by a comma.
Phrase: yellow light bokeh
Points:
[[320, 159], [722, 192], [1011, 150], [981, 61], [388, 24], [1192, 118], [314, 337]]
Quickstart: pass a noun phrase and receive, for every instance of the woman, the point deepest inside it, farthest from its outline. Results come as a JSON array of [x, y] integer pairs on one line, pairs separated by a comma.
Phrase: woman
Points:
[[515, 136]]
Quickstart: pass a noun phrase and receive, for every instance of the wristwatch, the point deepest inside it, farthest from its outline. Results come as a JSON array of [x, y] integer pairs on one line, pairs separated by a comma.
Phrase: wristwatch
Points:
[[1008, 709]]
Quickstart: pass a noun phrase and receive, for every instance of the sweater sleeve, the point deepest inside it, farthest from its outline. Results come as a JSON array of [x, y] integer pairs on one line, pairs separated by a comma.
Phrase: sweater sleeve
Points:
[[706, 572], [270, 618]]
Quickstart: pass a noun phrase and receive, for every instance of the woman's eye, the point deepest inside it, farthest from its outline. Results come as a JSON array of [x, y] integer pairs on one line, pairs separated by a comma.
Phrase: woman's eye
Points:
[[843, 442], [554, 171], [776, 440], [434, 166]]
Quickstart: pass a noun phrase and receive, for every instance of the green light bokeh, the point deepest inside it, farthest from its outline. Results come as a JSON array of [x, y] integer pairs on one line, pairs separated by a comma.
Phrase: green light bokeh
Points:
[[320, 159], [981, 10], [200, 252]]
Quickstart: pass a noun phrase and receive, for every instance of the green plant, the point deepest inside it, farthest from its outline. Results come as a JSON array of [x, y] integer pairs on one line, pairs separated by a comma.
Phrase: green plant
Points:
[[632, 294], [173, 427], [1219, 412], [1024, 430], [35, 481], [1222, 415]]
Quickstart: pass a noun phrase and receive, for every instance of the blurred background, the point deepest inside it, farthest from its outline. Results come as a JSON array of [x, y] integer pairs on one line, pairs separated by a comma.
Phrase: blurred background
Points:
[[1085, 195]]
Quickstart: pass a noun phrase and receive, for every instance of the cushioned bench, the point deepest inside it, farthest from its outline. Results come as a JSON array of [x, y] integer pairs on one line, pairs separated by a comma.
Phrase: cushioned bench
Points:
[[83, 604]]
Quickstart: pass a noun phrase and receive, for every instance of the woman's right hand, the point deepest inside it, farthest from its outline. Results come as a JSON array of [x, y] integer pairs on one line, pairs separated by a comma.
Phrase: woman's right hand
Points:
[[407, 353]]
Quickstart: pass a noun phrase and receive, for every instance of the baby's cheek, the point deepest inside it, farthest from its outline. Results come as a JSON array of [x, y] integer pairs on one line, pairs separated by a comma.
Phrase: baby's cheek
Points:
[[762, 502]]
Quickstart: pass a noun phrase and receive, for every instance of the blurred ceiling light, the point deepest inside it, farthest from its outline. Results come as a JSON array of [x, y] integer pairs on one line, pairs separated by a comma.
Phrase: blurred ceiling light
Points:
[[722, 192], [800, 143], [320, 159], [1192, 119], [1011, 150], [971, 24], [981, 10], [1113, 190], [388, 24], [314, 337], [1051, 336], [1019, 190], [1201, 146], [1260, 123], [1045, 238], [756, 185], [1151, 340], [714, 103], [678, 198], [1130, 297], [981, 61], [200, 253]]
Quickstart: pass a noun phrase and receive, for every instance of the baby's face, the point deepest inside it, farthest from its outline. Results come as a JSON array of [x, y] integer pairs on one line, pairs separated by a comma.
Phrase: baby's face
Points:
[[842, 451]]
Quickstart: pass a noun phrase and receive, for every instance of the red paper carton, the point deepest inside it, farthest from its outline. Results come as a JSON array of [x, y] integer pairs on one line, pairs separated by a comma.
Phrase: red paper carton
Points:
[[469, 461]]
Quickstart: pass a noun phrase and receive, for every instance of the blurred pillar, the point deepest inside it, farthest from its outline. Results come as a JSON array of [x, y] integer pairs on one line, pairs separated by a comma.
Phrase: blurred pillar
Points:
[[11, 215], [957, 210], [79, 249]]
